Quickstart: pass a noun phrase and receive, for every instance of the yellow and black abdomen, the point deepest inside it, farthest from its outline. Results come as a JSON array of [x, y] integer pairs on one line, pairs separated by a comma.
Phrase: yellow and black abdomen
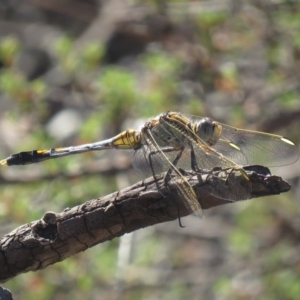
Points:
[[129, 139], [24, 158]]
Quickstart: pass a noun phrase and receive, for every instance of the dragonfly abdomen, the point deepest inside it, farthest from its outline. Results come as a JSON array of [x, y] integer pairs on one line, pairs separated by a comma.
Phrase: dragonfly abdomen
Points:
[[128, 139], [24, 158]]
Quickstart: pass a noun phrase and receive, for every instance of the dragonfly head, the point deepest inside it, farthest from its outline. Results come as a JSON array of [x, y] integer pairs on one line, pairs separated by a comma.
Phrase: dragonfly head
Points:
[[208, 130]]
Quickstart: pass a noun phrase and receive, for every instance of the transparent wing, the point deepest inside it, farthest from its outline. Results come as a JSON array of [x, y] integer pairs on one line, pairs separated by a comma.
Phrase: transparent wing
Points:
[[155, 157], [206, 159], [231, 187], [248, 147], [147, 161]]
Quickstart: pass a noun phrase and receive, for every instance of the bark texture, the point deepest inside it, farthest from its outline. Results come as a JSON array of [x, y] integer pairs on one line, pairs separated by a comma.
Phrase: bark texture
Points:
[[57, 236]]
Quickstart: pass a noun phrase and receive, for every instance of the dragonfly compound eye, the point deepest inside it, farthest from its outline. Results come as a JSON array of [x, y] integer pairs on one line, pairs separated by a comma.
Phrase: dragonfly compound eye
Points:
[[208, 131]]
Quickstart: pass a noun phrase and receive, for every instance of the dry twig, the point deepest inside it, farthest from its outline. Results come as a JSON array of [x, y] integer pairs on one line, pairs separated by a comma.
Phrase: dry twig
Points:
[[57, 236]]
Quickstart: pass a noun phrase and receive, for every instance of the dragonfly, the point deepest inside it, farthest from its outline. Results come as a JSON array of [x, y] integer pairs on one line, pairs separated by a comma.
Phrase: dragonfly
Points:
[[173, 142]]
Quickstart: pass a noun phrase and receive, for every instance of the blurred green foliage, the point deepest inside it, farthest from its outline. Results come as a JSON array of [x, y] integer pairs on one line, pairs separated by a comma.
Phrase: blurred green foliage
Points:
[[155, 82], [28, 95], [9, 48]]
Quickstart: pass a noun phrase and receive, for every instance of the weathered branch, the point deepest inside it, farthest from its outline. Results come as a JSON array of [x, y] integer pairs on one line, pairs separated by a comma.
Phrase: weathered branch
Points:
[[57, 236]]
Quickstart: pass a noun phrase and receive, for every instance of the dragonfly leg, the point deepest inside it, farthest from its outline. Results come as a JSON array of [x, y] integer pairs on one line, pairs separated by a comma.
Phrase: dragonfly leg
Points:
[[174, 162], [186, 192], [165, 149], [194, 163], [168, 174], [179, 218]]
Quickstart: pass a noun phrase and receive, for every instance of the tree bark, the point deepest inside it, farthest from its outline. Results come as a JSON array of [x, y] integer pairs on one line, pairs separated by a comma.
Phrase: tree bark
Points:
[[57, 236]]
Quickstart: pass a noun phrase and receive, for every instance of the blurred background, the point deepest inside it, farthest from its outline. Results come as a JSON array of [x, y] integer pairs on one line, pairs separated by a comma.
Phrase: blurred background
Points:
[[77, 71]]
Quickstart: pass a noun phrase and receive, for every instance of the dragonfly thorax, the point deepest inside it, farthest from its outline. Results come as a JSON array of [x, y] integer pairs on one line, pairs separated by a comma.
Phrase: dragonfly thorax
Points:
[[208, 130]]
